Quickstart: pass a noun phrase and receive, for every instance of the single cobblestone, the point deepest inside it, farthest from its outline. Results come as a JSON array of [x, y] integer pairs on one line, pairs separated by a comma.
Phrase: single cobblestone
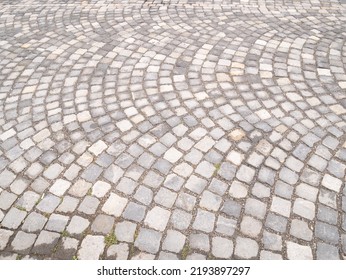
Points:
[[148, 240], [180, 219], [301, 230], [34, 222], [199, 241], [246, 248], [23, 242], [222, 247], [13, 218], [5, 236], [174, 242], [327, 232], [327, 252], [118, 252], [91, 248], [298, 252], [45, 242], [125, 231], [272, 241]]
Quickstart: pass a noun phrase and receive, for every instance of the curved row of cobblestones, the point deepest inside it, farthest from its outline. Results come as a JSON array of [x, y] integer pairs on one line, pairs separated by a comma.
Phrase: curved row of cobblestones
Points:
[[184, 129]]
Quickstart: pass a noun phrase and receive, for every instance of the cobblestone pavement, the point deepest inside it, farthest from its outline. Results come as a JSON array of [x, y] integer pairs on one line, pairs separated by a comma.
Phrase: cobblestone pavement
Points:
[[172, 129]]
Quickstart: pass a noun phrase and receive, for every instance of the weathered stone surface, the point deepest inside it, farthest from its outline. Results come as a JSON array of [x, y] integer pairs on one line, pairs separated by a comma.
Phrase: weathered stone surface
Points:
[[198, 130], [246, 248], [148, 240], [91, 248]]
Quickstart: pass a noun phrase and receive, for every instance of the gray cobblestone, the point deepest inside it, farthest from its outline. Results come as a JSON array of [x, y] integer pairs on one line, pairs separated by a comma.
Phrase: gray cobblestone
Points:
[[327, 198], [327, 232], [231, 208], [226, 226], [157, 218], [301, 230], [67, 249], [199, 241], [210, 201], [246, 248], [327, 252], [245, 174], [34, 222], [204, 221], [13, 218], [276, 222], [134, 212], [304, 208], [267, 255], [298, 252], [118, 252], [174, 242], [6, 178], [91, 248], [68, 205], [144, 195], [180, 219], [196, 184], [227, 171], [238, 190], [148, 240], [311, 177], [48, 204], [272, 241], [45, 242], [255, 208], [222, 247], [281, 206], [266, 175], [6, 200], [260, 190], [102, 224], [288, 176], [5, 236], [327, 215], [80, 188], [77, 225], [125, 231], [23, 242], [250, 226]]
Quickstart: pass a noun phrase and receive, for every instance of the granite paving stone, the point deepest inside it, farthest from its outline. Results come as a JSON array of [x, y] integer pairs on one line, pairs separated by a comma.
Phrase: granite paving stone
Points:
[[118, 252], [172, 129], [272, 241], [77, 225], [301, 230], [148, 240], [222, 247], [180, 219], [157, 218], [134, 212], [4, 237], [91, 248], [246, 248], [204, 221], [199, 241], [327, 252], [13, 219], [23, 242], [34, 222], [296, 251], [67, 248], [45, 242], [174, 241]]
